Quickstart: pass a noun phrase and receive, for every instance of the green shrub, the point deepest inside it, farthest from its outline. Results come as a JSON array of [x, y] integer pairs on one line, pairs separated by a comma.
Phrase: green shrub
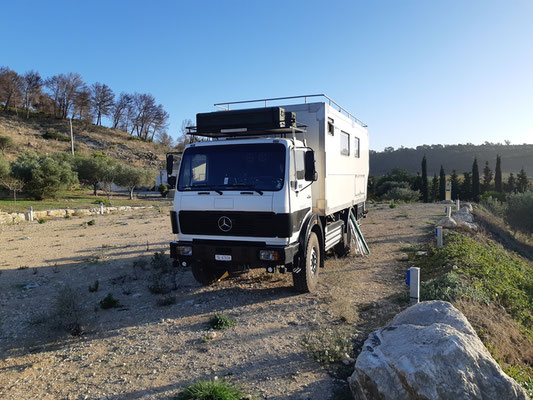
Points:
[[166, 301], [41, 220], [519, 212], [211, 390], [393, 205], [163, 189], [6, 142], [402, 194], [221, 322], [109, 302], [67, 312], [500, 196], [91, 222], [328, 345], [493, 205], [52, 134]]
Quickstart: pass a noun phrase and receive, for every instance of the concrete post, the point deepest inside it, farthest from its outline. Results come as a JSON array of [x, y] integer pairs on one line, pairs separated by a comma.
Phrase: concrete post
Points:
[[414, 285], [438, 234], [457, 204], [449, 211], [31, 213], [101, 208]]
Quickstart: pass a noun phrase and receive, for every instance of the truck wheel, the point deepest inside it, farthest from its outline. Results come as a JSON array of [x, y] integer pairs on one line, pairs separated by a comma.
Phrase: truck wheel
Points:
[[207, 274], [305, 278]]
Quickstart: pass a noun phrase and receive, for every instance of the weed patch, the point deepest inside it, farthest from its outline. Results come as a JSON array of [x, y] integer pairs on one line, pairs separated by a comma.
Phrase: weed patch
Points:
[[68, 313], [328, 345], [221, 322], [166, 301]]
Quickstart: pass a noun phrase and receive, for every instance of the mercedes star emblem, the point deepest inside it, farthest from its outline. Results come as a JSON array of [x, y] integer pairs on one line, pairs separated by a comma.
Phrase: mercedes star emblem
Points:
[[224, 224]]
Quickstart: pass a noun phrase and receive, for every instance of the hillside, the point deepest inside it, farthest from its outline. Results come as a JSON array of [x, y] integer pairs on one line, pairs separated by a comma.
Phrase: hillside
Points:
[[28, 134], [458, 157]]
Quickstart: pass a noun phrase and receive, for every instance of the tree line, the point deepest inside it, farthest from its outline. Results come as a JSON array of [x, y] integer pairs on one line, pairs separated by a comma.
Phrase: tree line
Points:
[[44, 175], [399, 184], [68, 96]]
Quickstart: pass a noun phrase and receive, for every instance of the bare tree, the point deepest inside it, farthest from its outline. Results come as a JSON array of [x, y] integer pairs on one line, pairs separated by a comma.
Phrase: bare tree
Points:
[[119, 111], [102, 100], [82, 104], [31, 89], [165, 139], [64, 88], [11, 85], [13, 184]]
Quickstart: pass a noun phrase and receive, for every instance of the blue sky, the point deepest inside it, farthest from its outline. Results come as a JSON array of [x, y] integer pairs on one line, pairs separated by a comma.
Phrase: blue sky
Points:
[[417, 72]]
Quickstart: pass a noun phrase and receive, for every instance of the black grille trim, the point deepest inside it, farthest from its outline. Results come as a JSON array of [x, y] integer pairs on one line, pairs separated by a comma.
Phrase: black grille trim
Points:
[[244, 223]]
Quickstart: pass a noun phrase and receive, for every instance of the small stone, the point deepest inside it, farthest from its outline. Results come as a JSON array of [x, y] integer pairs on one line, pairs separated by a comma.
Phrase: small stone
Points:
[[421, 253]]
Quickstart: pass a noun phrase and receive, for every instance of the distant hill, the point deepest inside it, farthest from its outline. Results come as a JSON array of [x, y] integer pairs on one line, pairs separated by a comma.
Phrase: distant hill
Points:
[[458, 157], [28, 134]]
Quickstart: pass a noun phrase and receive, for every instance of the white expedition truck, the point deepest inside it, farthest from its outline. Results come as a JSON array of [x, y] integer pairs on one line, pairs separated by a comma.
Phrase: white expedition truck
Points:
[[272, 187]]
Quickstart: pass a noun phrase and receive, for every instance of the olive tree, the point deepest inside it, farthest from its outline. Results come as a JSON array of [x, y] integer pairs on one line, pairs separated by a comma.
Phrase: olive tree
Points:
[[92, 170], [132, 177], [44, 175]]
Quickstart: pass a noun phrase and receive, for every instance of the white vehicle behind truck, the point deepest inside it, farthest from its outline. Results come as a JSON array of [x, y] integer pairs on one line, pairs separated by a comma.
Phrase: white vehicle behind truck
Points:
[[272, 187]]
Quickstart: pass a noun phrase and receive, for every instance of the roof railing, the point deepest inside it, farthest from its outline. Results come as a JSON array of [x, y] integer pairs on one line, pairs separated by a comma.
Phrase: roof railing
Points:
[[227, 105]]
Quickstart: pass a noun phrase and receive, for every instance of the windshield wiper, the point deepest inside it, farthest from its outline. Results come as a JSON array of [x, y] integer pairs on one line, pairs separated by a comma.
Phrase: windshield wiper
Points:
[[207, 187], [244, 186]]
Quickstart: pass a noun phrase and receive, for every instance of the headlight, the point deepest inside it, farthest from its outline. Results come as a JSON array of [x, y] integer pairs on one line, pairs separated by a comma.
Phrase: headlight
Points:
[[185, 250], [268, 255]]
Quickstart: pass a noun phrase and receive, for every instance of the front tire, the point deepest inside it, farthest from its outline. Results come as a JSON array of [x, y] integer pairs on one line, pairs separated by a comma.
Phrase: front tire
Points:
[[207, 274], [305, 280]]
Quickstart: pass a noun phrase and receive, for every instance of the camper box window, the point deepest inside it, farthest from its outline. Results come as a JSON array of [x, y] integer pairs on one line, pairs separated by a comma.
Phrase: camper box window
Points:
[[345, 144], [331, 126], [356, 147]]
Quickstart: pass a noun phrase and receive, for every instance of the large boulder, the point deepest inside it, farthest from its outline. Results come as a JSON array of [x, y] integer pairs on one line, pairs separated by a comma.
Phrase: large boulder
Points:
[[447, 222], [429, 351]]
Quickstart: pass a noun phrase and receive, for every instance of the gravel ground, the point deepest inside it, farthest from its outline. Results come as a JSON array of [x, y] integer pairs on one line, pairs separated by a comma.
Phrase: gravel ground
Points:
[[144, 351]]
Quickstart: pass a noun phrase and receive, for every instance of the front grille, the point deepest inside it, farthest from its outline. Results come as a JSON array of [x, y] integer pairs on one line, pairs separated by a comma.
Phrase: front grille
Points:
[[250, 224]]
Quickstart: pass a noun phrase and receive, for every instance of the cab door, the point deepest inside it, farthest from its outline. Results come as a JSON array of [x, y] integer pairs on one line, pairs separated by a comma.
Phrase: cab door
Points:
[[301, 198]]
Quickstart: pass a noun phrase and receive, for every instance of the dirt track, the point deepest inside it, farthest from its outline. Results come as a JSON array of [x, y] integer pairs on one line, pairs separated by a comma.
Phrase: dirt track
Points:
[[144, 351]]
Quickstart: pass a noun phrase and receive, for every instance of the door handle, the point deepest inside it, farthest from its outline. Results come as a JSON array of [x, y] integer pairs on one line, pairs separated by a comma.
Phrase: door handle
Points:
[[309, 196]]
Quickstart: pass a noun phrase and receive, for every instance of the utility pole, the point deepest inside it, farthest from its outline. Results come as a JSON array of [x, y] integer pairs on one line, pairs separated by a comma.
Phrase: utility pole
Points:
[[71, 137]]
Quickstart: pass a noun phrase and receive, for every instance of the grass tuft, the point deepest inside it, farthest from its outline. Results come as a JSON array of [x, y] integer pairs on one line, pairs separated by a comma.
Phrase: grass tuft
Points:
[[211, 390], [109, 302], [328, 345]]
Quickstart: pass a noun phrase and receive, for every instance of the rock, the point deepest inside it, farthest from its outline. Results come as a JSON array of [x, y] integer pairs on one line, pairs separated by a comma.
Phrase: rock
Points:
[[56, 213], [31, 285], [464, 215], [468, 206], [421, 253], [467, 226], [446, 202], [403, 257], [429, 351], [447, 222]]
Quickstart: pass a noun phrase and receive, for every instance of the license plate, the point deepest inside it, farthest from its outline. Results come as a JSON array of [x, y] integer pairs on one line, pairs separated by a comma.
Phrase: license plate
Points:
[[222, 257]]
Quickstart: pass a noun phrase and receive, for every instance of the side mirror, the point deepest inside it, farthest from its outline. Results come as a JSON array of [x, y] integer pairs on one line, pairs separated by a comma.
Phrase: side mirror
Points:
[[309, 162], [171, 180], [170, 164]]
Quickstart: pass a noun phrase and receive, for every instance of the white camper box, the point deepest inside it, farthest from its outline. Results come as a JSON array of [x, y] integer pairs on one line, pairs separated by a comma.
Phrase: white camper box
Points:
[[341, 154], [294, 185]]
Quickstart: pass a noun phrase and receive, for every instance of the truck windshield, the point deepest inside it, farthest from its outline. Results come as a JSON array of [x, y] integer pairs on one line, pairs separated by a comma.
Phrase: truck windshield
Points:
[[259, 167]]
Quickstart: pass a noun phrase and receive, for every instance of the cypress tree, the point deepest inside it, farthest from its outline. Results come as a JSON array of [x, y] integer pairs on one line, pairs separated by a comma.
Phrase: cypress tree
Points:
[[435, 188], [454, 181], [442, 184], [475, 181], [522, 183], [498, 175], [466, 187], [511, 184], [487, 178], [425, 191]]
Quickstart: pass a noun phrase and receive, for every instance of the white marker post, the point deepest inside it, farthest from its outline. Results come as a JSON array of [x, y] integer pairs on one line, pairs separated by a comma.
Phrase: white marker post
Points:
[[438, 234], [457, 204], [449, 211], [31, 213], [414, 285], [101, 208]]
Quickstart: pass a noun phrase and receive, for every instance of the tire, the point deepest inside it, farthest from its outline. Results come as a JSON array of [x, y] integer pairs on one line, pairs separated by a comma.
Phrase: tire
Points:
[[207, 274], [305, 280]]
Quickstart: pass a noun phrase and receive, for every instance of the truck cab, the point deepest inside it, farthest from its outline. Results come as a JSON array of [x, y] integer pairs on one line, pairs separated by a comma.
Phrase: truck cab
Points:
[[244, 199]]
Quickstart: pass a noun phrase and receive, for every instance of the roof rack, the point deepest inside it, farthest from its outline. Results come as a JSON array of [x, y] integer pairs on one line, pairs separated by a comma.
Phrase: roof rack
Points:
[[244, 132], [227, 105]]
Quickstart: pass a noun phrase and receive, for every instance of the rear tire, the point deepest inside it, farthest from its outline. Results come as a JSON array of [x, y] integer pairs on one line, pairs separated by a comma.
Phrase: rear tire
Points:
[[207, 274], [306, 279]]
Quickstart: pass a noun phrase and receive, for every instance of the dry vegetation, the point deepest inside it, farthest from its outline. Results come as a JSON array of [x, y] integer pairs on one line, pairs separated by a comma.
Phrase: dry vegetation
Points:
[[88, 138]]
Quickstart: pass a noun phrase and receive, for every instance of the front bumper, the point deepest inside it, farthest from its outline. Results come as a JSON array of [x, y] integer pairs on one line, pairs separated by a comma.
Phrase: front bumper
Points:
[[242, 253]]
